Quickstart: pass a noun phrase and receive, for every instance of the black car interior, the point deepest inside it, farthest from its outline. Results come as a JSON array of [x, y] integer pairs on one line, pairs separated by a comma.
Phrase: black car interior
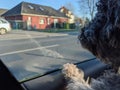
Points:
[[50, 81]]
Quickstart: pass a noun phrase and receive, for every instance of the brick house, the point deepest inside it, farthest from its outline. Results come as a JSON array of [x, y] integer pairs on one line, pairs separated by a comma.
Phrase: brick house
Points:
[[33, 16]]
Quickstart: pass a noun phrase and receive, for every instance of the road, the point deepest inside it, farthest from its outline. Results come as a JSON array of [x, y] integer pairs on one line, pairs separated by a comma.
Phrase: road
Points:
[[28, 53]]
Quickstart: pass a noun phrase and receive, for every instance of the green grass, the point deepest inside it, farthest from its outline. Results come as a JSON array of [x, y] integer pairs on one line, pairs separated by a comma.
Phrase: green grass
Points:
[[57, 30]]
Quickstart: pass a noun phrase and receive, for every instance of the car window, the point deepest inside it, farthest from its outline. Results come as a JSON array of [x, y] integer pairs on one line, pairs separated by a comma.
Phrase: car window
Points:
[[3, 21], [43, 35], [0, 21]]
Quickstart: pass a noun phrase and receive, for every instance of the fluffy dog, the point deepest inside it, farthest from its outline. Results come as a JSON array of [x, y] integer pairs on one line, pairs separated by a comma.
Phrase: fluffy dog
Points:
[[75, 79], [102, 38], [102, 35]]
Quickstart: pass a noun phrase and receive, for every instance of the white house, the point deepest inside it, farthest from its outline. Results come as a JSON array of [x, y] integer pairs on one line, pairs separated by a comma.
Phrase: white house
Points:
[[68, 13]]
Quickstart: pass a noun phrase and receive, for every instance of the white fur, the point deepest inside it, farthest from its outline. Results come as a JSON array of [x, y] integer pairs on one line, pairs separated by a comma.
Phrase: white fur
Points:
[[75, 78]]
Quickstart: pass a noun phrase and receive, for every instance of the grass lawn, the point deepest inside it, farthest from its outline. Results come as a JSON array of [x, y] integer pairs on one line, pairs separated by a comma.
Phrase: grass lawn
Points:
[[57, 30]]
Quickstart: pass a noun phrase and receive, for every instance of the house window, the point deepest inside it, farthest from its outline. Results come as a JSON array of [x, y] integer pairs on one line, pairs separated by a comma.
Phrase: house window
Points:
[[55, 23], [41, 21], [3, 21], [55, 20], [0, 21], [29, 22], [29, 18], [41, 8], [48, 21], [31, 7]]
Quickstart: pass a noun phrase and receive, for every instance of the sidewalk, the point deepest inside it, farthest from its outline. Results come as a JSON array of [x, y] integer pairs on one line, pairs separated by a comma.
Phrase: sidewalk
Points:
[[21, 34]]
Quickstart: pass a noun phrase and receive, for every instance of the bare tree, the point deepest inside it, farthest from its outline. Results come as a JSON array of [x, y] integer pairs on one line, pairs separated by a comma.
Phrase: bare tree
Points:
[[70, 7], [88, 7]]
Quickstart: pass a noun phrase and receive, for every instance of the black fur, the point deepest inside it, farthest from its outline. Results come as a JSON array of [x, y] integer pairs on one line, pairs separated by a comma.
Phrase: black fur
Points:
[[102, 35]]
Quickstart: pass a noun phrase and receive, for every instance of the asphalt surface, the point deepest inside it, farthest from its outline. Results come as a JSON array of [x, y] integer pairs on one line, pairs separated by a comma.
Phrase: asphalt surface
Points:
[[28, 54]]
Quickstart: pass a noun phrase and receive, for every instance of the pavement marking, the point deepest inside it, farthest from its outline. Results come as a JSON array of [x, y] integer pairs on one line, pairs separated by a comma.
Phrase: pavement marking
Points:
[[23, 37], [18, 43], [61, 38], [14, 52], [39, 41]]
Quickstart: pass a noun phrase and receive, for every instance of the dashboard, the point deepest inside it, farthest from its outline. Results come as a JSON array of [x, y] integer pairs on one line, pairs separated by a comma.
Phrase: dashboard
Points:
[[53, 80]]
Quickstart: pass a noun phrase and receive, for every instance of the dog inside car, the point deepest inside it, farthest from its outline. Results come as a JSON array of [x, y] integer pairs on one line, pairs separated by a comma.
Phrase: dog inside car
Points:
[[109, 80], [102, 38]]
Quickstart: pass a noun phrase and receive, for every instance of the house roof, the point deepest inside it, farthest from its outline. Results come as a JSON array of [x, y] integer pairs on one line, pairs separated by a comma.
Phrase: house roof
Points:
[[2, 11], [65, 10], [30, 8]]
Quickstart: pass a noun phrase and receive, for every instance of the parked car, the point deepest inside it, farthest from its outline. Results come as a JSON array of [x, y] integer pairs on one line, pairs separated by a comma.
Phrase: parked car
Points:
[[4, 26]]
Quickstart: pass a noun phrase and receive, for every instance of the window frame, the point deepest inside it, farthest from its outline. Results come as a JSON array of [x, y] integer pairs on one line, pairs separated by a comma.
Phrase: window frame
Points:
[[42, 21]]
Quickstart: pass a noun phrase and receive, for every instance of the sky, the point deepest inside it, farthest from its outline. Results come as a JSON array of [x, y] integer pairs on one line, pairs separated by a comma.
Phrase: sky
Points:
[[8, 4]]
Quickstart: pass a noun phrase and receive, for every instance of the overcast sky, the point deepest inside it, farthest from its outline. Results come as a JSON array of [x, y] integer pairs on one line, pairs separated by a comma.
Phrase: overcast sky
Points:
[[8, 4]]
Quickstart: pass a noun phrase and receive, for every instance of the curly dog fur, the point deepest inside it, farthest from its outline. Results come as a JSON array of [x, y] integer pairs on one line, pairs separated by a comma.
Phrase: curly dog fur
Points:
[[75, 78], [102, 35], [102, 38]]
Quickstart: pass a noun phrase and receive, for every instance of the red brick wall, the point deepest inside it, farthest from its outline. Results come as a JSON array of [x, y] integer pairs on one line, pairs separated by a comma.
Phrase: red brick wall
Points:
[[61, 20], [35, 21]]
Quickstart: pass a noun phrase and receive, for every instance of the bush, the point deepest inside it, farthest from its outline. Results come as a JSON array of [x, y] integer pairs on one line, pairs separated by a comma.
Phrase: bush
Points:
[[72, 26], [63, 26], [66, 26]]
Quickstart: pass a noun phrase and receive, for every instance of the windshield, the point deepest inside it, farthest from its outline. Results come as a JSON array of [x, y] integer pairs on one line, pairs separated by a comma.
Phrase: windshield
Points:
[[42, 36]]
